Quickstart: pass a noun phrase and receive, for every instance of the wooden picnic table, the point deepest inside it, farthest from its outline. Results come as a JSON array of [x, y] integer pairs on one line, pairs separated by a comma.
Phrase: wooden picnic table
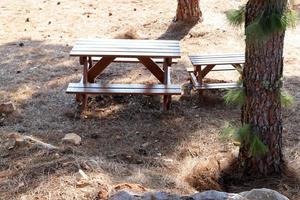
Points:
[[97, 54], [203, 64]]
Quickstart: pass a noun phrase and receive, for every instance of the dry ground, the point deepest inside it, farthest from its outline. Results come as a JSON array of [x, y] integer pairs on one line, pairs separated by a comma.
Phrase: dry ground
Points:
[[125, 139]]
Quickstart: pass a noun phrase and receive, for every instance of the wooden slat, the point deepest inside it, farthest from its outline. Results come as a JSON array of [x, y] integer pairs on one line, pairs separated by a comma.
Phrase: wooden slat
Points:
[[217, 55], [216, 68], [224, 62], [129, 49], [144, 89], [212, 86], [126, 54], [123, 86], [104, 45], [135, 60]]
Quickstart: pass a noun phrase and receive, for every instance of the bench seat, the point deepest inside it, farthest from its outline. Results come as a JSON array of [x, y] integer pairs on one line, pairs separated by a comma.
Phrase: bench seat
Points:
[[216, 68], [218, 59], [214, 86], [147, 89], [135, 60]]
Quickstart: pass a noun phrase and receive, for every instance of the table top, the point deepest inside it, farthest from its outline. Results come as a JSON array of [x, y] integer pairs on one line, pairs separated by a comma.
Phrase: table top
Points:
[[126, 48]]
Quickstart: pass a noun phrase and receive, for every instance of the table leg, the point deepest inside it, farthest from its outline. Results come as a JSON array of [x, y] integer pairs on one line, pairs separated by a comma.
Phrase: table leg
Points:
[[167, 81], [199, 76], [85, 80]]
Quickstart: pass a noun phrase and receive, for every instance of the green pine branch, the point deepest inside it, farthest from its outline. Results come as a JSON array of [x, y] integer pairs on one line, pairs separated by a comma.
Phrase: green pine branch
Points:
[[286, 99], [236, 17], [244, 135], [235, 97]]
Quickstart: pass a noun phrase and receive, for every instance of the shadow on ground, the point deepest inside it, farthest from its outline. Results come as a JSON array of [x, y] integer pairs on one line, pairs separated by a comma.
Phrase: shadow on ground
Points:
[[177, 30]]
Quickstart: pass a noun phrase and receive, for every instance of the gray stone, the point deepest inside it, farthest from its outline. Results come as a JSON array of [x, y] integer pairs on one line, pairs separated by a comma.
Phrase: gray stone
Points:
[[263, 194], [160, 196], [211, 195], [72, 138], [123, 195]]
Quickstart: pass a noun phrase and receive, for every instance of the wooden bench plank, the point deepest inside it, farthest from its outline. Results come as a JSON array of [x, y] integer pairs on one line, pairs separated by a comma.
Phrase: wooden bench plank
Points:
[[135, 60], [217, 55], [146, 89], [213, 86], [218, 61], [124, 86], [118, 49], [216, 68], [143, 46], [126, 54]]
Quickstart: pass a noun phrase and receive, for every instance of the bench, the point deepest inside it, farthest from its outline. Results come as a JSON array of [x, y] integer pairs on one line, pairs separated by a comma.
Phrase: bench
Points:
[[146, 89], [203, 64]]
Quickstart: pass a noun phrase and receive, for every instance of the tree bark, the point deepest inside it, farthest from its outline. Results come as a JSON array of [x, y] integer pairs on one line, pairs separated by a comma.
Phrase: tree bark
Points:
[[188, 11], [262, 80]]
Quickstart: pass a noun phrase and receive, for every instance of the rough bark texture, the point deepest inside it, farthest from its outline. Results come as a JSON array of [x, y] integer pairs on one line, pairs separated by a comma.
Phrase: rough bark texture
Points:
[[262, 110], [188, 10]]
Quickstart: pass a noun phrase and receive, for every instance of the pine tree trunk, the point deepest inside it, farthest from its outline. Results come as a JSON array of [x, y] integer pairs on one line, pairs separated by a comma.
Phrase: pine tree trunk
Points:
[[262, 79], [188, 10]]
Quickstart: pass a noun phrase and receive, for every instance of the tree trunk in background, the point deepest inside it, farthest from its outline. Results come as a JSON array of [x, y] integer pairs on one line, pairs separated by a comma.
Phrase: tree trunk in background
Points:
[[189, 11], [262, 79]]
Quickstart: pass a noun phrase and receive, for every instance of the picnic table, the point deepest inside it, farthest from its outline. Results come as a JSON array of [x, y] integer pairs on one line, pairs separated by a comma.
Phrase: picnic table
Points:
[[97, 54], [204, 64]]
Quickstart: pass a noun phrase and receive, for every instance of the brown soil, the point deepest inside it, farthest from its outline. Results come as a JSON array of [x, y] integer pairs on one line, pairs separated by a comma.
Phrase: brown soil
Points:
[[125, 138]]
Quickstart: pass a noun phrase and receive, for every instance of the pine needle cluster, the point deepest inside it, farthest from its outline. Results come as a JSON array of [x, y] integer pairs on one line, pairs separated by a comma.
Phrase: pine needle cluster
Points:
[[244, 135]]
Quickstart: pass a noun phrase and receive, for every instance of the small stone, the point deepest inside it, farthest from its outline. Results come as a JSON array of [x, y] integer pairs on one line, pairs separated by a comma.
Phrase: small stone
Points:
[[56, 155], [58, 3], [72, 138], [169, 160], [49, 22], [82, 175], [145, 144], [110, 14], [27, 20], [134, 9]]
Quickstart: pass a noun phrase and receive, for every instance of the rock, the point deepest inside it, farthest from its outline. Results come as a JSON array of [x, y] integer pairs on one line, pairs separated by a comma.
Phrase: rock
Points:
[[72, 138], [256, 194], [160, 196], [7, 108], [216, 195], [123, 195], [82, 176], [265, 194]]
